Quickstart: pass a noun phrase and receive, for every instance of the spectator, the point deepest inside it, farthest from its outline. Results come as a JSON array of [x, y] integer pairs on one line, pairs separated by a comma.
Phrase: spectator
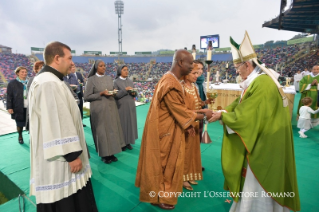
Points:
[[17, 99]]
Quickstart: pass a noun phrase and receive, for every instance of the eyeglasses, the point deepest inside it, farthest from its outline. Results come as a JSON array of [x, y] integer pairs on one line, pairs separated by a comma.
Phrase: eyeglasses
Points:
[[239, 66]]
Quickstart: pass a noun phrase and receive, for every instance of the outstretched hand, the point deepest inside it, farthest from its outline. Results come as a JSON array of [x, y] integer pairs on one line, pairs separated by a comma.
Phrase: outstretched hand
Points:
[[215, 117], [207, 112]]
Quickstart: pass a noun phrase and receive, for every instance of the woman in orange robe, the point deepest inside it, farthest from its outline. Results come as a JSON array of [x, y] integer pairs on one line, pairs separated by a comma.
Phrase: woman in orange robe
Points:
[[192, 164]]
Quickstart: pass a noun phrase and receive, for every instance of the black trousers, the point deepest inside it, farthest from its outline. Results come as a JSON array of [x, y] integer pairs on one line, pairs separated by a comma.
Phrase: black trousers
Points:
[[80, 96]]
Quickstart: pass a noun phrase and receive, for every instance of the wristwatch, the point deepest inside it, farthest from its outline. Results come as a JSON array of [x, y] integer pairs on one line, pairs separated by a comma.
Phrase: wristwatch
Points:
[[205, 118]]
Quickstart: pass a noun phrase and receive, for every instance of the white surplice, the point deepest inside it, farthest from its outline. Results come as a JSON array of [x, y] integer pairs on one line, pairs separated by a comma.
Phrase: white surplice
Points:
[[297, 78], [55, 130], [259, 201]]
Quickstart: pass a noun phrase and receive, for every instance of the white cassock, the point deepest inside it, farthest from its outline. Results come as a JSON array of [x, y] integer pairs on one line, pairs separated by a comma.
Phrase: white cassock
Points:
[[55, 130], [297, 78], [259, 202]]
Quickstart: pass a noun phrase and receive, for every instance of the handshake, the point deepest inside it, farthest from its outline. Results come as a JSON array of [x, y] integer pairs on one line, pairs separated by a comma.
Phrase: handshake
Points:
[[210, 115]]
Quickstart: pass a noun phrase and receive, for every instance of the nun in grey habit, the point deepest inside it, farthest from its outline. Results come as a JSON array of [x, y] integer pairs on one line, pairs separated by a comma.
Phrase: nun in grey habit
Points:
[[104, 117], [126, 106]]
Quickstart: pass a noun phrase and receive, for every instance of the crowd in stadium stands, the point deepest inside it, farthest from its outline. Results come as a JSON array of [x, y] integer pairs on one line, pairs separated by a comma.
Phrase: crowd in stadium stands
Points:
[[271, 57], [146, 75], [304, 63], [9, 62], [158, 69], [145, 91]]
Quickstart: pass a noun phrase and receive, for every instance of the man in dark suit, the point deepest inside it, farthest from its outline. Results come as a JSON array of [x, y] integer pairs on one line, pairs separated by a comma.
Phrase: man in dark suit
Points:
[[79, 90]]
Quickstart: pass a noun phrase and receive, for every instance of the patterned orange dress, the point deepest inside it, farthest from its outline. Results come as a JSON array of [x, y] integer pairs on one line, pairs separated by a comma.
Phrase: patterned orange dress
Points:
[[192, 163]]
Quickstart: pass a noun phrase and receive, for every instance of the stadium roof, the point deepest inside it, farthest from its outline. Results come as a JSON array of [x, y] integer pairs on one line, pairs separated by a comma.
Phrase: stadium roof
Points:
[[302, 16], [2, 46]]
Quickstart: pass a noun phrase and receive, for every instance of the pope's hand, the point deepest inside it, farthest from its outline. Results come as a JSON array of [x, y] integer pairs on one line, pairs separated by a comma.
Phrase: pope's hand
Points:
[[76, 165], [216, 116], [10, 111]]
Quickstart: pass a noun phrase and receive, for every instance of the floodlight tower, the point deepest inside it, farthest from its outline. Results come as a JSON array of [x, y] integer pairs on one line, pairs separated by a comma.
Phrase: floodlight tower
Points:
[[119, 10]]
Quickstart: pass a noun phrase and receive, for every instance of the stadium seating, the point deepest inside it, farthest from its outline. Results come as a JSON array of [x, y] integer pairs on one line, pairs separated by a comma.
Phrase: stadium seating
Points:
[[9, 62], [146, 71]]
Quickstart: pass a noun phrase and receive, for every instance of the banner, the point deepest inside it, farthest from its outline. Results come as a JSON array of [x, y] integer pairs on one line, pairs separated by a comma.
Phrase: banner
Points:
[[259, 46], [300, 40], [141, 53], [167, 52], [93, 52], [37, 49], [222, 49], [118, 53]]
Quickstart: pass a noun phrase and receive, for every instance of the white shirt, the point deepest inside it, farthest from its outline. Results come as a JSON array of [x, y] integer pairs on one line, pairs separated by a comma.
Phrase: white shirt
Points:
[[305, 112], [305, 73], [245, 84], [297, 77], [122, 78]]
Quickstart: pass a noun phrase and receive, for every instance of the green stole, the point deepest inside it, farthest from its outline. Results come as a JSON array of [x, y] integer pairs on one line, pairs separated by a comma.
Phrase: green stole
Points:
[[312, 92]]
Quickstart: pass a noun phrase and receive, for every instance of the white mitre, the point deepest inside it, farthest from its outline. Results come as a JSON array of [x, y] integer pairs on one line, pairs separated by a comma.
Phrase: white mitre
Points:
[[244, 52]]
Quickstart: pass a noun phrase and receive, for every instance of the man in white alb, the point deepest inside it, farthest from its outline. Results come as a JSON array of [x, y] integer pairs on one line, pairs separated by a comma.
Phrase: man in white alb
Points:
[[60, 168]]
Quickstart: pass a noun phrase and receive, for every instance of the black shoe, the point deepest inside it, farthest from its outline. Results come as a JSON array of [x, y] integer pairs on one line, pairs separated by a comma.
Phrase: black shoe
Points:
[[84, 125], [21, 141], [106, 160], [113, 158], [123, 148], [129, 147], [203, 169]]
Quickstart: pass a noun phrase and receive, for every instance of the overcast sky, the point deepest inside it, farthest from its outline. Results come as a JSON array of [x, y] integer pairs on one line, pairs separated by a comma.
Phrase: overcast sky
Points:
[[148, 25]]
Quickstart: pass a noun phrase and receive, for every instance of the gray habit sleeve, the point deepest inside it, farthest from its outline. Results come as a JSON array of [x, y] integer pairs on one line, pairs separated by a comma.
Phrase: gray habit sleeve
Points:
[[89, 94], [121, 92]]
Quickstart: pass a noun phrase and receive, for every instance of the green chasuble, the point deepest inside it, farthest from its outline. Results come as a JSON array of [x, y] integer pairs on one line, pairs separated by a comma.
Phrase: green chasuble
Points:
[[264, 136], [312, 92]]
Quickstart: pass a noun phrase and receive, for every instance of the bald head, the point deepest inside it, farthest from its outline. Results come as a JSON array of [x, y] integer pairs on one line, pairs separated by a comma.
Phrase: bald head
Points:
[[182, 62], [315, 69], [180, 55]]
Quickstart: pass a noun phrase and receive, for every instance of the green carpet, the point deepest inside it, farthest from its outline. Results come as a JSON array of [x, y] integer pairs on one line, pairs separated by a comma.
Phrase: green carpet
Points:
[[114, 184], [3, 199]]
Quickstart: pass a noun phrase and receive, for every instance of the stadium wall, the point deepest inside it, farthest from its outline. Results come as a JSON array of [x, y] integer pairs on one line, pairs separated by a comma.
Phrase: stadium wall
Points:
[[165, 59]]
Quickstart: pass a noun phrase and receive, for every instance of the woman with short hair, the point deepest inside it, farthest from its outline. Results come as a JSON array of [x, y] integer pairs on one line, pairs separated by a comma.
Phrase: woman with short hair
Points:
[[17, 101], [37, 66]]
